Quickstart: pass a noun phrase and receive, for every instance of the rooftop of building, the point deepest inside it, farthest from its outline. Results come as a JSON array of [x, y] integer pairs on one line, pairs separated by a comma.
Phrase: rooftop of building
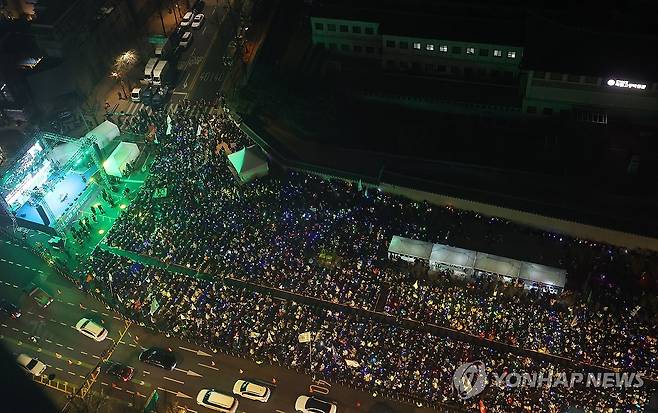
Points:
[[605, 42]]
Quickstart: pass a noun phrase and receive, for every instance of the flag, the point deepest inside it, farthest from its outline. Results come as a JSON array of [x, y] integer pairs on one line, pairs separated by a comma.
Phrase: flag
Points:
[[154, 306], [305, 337]]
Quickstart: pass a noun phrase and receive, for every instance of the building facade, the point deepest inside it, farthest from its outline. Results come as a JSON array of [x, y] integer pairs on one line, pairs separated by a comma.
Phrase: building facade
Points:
[[471, 60]]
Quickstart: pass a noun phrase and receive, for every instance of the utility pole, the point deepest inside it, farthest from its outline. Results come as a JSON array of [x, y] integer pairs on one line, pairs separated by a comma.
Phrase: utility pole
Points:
[[91, 377]]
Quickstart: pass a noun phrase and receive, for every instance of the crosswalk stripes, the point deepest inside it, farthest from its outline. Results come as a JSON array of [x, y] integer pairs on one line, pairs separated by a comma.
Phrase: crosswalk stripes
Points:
[[211, 76], [135, 107]]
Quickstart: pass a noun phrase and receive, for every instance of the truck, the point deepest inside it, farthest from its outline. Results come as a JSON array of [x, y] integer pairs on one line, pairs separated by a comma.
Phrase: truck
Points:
[[148, 70], [164, 73], [166, 50]]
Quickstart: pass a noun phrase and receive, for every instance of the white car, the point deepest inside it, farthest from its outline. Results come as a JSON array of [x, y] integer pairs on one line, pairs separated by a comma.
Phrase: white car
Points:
[[30, 364], [186, 39], [91, 329], [198, 21], [187, 19], [306, 404], [215, 400], [252, 391]]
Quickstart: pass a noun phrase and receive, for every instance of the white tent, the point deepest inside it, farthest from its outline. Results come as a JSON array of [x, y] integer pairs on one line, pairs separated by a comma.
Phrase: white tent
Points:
[[124, 153], [104, 133], [543, 274], [498, 265], [453, 256], [249, 163], [409, 249]]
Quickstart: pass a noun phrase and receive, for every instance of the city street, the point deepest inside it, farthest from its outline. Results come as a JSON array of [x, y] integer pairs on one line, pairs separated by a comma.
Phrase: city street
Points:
[[70, 356]]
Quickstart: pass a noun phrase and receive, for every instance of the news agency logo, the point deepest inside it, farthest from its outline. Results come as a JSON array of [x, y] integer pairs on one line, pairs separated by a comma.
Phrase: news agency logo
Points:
[[470, 379]]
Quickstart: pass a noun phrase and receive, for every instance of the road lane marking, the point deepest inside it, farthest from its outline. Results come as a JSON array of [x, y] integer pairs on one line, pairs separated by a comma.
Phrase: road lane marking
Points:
[[104, 384], [71, 373], [48, 341], [105, 314], [132, 345], [30, 312], [93, 310], [19, 265], [62, 324], [15, 329], [59, 369], [53, 320], [174, 380], [95, 356], [71, 304], [4, 325], [207, 366], [130, 392], [70, 348], [85, 353], [147, 372]]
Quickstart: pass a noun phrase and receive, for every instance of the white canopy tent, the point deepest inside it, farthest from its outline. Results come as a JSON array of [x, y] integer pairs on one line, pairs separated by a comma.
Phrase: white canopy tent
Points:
[[102, 134], [123, 154], [543, 274], [498, 265], [249, 163], [409, 249], [452, 256]]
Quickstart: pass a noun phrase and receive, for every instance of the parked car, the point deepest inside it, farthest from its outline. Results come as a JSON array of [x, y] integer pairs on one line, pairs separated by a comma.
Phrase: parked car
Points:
[[253, 391], [10, 309], [198, 21], [215, 400], [158, 357], [147, 95], [91, 329], [187, 19], [185, 40], [313, 404], [136, 94], [31, 364], [121, 371], [160, 96], [42, 298]]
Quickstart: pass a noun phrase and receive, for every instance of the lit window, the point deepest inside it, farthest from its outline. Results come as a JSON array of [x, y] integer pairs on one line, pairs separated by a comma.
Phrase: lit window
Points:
[[498, 53], [417, 46], [443, 48], [470, 50], [511, 55], [429, 47]]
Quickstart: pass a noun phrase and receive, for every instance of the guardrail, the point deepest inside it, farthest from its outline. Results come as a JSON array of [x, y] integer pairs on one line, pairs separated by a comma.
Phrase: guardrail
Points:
[[62, 386]]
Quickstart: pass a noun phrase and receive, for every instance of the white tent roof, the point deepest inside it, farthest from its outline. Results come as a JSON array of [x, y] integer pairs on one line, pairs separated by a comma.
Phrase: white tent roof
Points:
[[124, 153], [498, 265], [104, 133], [543, 274], [459, 257], [410, 247], [249, 162]]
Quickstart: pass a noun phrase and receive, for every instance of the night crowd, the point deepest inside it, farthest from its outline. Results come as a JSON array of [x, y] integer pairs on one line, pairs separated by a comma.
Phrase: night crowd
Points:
[[328, 239]]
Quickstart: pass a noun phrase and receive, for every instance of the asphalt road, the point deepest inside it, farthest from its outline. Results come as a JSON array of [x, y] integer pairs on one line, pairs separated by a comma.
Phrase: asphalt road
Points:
[[70, 356], [201, 69]]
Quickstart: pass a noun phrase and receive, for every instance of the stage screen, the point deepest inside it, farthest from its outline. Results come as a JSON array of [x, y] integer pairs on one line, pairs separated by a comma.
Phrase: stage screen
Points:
[[30, 171]]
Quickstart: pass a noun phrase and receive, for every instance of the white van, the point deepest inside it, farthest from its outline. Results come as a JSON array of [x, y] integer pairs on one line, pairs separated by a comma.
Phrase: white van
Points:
[[148, 70], [136, 94]]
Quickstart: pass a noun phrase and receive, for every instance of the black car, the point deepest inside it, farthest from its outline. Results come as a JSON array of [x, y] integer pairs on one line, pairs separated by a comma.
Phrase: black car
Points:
[[159, 357], [9, 309], [147, 95]]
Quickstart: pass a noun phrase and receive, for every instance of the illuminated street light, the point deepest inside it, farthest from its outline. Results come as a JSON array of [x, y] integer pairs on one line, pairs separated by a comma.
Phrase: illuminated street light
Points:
[[123, 206]]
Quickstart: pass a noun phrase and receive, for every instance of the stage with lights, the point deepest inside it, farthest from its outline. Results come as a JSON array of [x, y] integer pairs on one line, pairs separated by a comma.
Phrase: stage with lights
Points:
[[48, 184]]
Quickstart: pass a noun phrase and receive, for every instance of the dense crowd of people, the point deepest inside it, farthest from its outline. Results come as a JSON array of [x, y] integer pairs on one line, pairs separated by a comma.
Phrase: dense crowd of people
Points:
[[346, 348], [328, 239]]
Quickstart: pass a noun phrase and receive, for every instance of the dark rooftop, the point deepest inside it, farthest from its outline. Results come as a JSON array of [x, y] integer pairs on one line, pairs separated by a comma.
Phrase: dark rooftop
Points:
[[589, 52]]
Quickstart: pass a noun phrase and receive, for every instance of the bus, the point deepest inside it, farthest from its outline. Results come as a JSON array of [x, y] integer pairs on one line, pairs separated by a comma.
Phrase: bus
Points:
[[163, 73], [148, 70]]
